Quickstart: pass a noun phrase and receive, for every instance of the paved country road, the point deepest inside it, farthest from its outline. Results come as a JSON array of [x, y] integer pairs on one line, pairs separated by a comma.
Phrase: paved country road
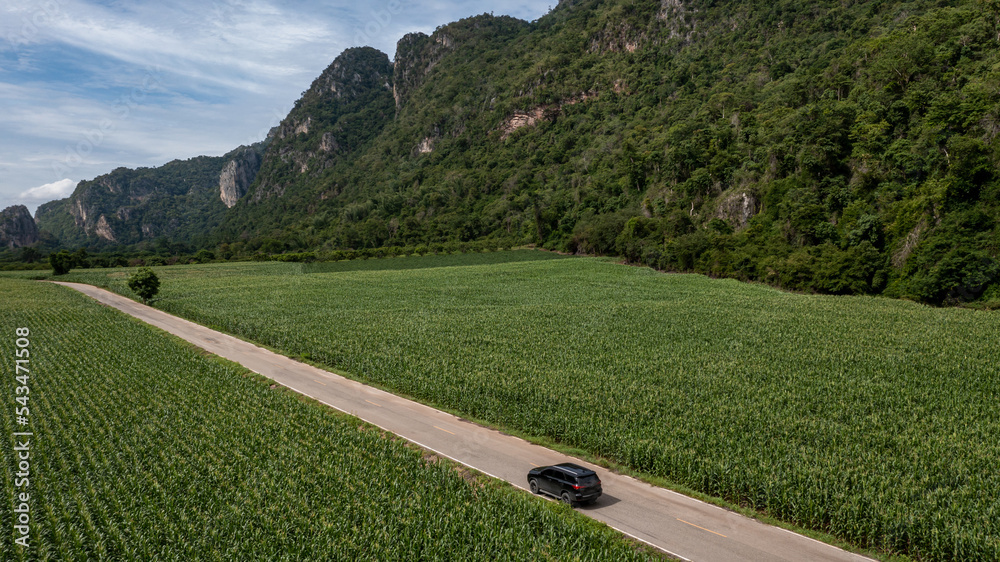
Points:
[[684, 527]]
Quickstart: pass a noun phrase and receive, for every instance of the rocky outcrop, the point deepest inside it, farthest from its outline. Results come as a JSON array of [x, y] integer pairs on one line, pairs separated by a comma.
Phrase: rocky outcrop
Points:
[[303, 127], [528, 118], [329, 143], [79, 213], [237, 175], [426, 146], [532, 116], [103, 230], [738, 208], [909, 244], [17, 228]]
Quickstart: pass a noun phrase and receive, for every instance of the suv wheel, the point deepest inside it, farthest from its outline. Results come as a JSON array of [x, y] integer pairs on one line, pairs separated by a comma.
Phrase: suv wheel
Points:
[[566, 499], [533, 486]]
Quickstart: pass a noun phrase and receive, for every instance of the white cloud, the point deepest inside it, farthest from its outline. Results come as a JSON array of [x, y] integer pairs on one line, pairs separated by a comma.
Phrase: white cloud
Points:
[[55, 190], [246, 45]]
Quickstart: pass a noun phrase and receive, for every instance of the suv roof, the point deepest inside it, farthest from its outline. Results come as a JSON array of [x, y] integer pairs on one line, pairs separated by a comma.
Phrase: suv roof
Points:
[[575, 469]]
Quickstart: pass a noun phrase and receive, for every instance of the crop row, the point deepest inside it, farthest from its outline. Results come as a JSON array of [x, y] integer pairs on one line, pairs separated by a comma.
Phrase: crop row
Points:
[[870, 419], [146, 449]]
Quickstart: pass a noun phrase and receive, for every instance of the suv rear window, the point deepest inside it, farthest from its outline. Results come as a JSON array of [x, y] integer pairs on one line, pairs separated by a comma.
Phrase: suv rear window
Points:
[[588, 480]]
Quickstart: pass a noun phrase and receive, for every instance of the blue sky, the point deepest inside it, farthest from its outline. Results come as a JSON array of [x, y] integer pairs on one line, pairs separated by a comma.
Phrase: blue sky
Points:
[[87, 86]]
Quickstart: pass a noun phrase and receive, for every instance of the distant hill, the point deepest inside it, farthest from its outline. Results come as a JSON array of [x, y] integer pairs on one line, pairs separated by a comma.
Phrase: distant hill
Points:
[[17, 229], [831, 146], [182, 201]]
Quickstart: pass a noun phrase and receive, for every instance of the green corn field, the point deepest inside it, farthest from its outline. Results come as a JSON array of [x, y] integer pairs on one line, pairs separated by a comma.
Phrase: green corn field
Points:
[[877, 421], [147, 449]]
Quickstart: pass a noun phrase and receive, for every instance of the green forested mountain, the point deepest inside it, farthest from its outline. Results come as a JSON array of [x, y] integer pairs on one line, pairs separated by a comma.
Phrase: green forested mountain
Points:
[[182, 202], [833, 146], [841, 147]]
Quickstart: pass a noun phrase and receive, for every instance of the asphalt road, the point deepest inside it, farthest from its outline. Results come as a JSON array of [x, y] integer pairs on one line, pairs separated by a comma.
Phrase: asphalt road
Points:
[[682, 526]]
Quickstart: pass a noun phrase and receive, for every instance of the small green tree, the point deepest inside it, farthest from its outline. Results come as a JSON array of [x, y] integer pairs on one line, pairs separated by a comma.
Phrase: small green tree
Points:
[[61, 262], [204, 256], [144, 283]]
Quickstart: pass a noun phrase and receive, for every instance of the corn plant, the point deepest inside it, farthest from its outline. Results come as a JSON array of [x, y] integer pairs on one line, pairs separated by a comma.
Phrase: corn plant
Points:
[[147, 450], [871, 419]]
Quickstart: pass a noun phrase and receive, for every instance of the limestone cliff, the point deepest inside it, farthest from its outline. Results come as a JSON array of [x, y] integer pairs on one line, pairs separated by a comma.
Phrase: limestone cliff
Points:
[[237, 175], [17, 228], [181, 200], [737, 208]]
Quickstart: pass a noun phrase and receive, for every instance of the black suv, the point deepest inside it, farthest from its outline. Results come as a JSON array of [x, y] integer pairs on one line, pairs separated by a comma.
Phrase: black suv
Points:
[[569, 482]]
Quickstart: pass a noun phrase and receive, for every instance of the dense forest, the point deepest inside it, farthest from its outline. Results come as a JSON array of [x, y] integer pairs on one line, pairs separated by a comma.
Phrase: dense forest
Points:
[[177, 203], [844, 147], [839, 147]]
